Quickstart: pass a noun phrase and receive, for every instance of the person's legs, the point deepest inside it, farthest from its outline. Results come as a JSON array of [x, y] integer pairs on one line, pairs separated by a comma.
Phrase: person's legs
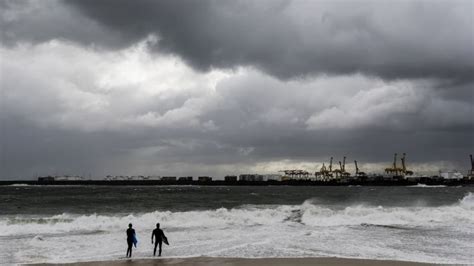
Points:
[[159, 254], [129, 249], [154, 251]]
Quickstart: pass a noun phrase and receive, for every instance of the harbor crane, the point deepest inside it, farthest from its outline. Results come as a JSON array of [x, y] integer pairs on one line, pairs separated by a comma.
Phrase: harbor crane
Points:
[[396, 171], [325, 173], [296, 173], [338, 172], [319, 174], [390, 170], [472, 165], [404, 168], [343, 168], [341, 172], [471, 173], [358, 173]]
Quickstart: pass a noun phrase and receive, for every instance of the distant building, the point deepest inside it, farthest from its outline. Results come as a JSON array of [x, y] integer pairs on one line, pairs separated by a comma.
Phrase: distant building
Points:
[[45, 179], [204, 179], [230, 178], [68, 178], [251, 177], [451, 175], [168, 178], [185, 178], [272, 177]]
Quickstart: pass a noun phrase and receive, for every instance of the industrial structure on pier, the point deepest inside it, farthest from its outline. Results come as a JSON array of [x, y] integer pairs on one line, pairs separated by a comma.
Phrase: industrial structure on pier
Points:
[[393, 172], [330, 173]]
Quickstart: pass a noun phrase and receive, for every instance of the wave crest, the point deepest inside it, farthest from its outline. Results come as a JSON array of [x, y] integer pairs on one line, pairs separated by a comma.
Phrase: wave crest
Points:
[[309, 213]]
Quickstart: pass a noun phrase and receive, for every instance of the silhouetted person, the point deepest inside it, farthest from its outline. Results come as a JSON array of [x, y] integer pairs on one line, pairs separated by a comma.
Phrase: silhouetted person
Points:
[[158, 235], [130, 237]]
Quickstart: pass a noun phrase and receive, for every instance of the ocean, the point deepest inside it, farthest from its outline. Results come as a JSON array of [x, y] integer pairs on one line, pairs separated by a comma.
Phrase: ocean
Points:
[[87, 223]]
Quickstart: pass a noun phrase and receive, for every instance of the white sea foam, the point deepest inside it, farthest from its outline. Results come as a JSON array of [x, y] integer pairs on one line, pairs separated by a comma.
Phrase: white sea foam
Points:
[[307, 213], [467, 202], [302, 230], [19, 185], [427, 186]]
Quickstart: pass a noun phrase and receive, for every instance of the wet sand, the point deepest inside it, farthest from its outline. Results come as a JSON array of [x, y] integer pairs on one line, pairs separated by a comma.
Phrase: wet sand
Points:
[[201, 261]]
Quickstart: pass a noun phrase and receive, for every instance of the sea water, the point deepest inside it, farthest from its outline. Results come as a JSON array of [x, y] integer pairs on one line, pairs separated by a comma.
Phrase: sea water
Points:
[[87, 223]]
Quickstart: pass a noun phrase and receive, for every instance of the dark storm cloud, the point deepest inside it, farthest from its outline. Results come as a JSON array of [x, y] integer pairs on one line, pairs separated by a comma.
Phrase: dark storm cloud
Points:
[[295, 38], [409, 39], [40, 21]]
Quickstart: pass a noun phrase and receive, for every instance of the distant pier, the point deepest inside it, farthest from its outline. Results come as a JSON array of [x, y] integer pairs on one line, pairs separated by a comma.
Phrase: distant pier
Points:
[[293, 182]]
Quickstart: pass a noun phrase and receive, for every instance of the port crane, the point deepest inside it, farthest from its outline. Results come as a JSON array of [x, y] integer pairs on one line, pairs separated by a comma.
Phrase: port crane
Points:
[[337, 172], [404, 168], [397, 171], [471, 173], [472, 165], [296, 173], [358, 173], [394, 170], [343, 168], [341, 172], [325, 173], [319, 174]]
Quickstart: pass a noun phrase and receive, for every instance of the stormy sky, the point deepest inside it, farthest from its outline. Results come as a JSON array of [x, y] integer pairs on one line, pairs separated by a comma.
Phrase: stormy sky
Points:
[[98, 87]]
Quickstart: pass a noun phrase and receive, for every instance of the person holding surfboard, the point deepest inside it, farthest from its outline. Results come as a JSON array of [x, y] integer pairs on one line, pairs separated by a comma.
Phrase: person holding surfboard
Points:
[[159, 237], [131, 239]]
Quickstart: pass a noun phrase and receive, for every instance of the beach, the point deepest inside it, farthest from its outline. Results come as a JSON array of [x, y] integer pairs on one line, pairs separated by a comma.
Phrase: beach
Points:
[[208, 261], [208, 225]]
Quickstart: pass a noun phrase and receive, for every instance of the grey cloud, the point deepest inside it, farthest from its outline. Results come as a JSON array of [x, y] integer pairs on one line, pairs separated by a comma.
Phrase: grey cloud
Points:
[[29, 150], [299, 38], [40, 21], [401, 124], [68, 116], [288, 39]]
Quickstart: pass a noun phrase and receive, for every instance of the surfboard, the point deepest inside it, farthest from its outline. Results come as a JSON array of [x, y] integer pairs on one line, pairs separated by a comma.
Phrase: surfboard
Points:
[[135, 240], [165, 240]]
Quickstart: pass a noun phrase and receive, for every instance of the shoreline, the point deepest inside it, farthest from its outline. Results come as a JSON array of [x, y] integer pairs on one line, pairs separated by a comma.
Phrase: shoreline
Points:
[[216, 261]]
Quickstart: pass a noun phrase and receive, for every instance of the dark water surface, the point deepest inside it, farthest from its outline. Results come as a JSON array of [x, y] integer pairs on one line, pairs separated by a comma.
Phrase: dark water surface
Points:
[[138, 199]]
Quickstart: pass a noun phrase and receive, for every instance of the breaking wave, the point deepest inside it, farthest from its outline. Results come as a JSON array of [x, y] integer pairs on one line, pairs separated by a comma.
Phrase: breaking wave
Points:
[[308, 213], [440, 234]]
